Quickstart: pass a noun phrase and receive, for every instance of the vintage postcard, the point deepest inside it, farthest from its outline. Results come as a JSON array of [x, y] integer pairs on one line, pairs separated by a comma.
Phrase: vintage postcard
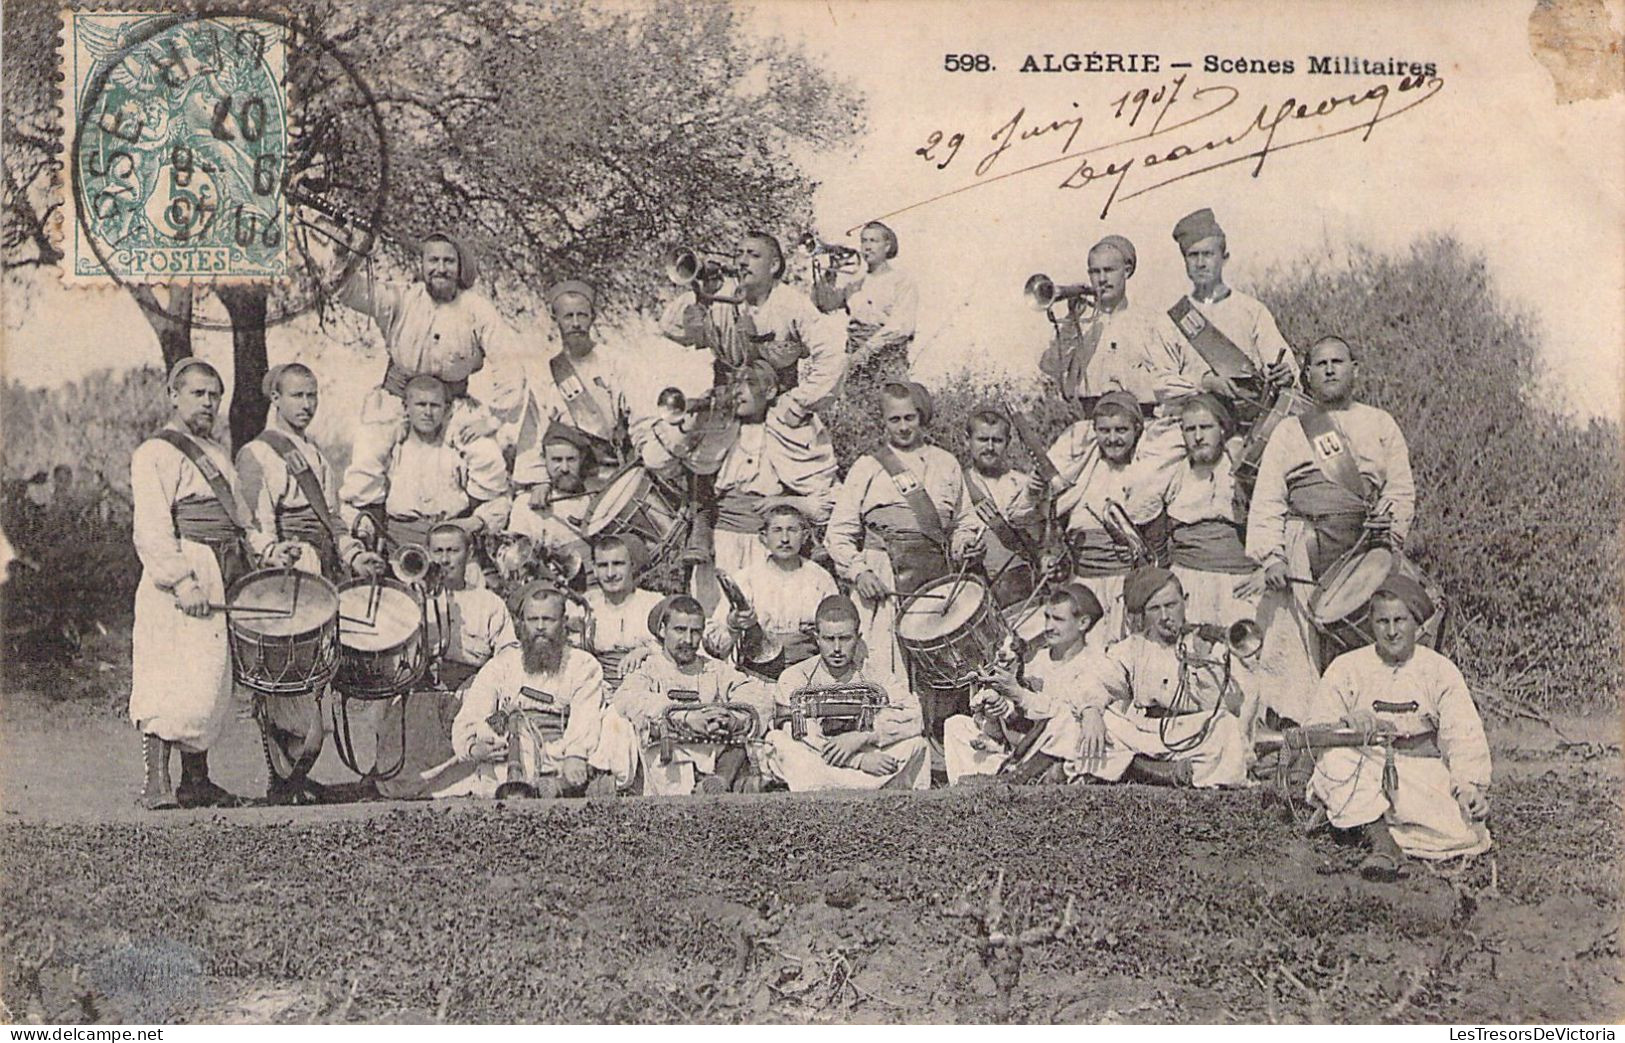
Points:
[[811, 512]]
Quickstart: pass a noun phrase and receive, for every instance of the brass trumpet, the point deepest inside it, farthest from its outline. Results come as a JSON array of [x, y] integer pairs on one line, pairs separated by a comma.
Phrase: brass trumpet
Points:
[[829, 258], [1043, 293], [1241, 639], [410, 562], [702, 272]]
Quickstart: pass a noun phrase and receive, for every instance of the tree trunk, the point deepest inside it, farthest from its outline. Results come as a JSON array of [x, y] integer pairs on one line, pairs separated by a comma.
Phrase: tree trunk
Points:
[[247, 306], [172, 324]]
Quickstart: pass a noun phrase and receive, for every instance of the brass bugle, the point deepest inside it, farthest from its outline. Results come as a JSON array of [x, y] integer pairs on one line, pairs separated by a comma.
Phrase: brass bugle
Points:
[[1243, 638], [410, 562], [1042, 292], [840, 255], [685, 267]]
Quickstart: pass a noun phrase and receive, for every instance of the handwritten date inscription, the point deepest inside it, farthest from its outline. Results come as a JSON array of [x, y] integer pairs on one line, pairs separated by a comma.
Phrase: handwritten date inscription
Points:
[[1165, 133]]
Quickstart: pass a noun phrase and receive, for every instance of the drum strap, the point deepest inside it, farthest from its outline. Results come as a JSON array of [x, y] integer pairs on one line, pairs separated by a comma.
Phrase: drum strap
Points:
[[585, 409], [919, 501], [1218, 351], [1013, 538], [211, 473], [1331, 451], [305, 477]]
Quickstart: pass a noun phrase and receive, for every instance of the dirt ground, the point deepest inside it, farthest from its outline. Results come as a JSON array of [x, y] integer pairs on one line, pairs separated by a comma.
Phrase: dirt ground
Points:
[[1185, 907]]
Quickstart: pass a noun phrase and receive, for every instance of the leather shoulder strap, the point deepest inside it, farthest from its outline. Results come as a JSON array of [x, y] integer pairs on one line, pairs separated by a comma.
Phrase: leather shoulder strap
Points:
[[585, 409], [211, 474], [1217, 350], [1332, 454], [304, 476], [914, 494], [1013, 538]]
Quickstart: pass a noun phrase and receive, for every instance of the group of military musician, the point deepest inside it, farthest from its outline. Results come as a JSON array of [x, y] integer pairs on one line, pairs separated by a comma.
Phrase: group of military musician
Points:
[[538, 580]]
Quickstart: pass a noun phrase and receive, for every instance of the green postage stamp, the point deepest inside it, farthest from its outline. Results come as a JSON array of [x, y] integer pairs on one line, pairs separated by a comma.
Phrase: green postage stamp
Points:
[[177, 127]]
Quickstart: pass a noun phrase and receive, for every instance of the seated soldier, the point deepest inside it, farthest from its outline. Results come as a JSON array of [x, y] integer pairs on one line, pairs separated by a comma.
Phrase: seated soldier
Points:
[[620, 609], [708, 755], [554, 511], [1205, 519], [1425, 792], [1095, 461], [476, 627], [998, 531], [891, 753], [782, 595], [532, 719], [1169, 721], [428, 479], [1040, 696]]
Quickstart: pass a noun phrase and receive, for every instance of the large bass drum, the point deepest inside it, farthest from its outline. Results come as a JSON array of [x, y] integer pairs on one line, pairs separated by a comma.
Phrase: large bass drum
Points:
[[949, 633], [282, 626]]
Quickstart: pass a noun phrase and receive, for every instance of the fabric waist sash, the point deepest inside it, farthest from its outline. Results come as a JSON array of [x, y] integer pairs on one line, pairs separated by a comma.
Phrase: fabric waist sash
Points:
[[397, 376], [1424, 745], [453, 674], [1336, 515], [301, 523], [798, 645], [916, 559], [610, 660], [1096, 554], [1209, 545], [402, 531], [204, 520], [740, 512]]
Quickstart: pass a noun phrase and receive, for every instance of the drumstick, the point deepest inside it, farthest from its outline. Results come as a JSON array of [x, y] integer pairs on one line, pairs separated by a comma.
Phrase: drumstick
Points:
[[959, 581], [263, 610], [429, 773]]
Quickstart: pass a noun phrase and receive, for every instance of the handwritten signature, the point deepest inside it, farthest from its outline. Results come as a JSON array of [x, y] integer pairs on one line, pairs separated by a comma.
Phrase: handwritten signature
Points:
[[1156, 154]]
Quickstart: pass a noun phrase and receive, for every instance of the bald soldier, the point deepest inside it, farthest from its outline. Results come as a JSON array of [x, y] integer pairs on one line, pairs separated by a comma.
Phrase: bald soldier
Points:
[[438, 326], [1123, 347], [894, 518], [292, 491], [1424, 792], [195, 536], [1239, 352], [1325, 479]]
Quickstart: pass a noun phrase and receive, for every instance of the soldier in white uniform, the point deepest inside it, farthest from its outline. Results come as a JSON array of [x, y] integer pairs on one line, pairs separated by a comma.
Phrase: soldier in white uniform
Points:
[[620, 608], [999, 528], [1424, 794], [194, 535], [783, 592]]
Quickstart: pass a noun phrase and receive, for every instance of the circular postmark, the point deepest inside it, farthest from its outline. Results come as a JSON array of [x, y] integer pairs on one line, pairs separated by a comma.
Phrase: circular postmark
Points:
[[221, 149]]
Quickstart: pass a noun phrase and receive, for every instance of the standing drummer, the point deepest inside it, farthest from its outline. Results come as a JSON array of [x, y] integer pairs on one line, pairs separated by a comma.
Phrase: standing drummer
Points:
[[193, 533], [1094, 461], [438, 326], [291, 490], [895, 516], [889, 754], [554, 511], [681, 673], [1226, 320], [998, 529], [1329, 479], [475, 627]]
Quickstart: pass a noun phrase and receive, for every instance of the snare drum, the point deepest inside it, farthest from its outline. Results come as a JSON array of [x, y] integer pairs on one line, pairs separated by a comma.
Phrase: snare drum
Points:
[[382, 651], [1339, 607], [636, 505], [1288, 404], [947, 641], [282, 626]]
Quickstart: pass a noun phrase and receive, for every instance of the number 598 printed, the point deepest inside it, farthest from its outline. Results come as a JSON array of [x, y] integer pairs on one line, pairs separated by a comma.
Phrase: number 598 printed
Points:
[[967, 63]]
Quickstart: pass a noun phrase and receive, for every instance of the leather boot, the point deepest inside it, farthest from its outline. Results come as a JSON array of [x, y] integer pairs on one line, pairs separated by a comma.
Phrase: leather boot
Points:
[[1159, 772], [157, 793], [197, 790], [1385, 861]]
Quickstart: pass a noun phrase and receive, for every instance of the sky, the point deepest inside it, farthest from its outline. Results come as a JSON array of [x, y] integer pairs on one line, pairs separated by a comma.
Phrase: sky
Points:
[[1491, 158]]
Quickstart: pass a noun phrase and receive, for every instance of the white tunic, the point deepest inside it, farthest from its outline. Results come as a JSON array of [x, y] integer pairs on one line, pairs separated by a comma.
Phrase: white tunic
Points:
[[578, 686], [1249, 326], [269, 490], [181, 683], [887, 300], [784, 600]]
